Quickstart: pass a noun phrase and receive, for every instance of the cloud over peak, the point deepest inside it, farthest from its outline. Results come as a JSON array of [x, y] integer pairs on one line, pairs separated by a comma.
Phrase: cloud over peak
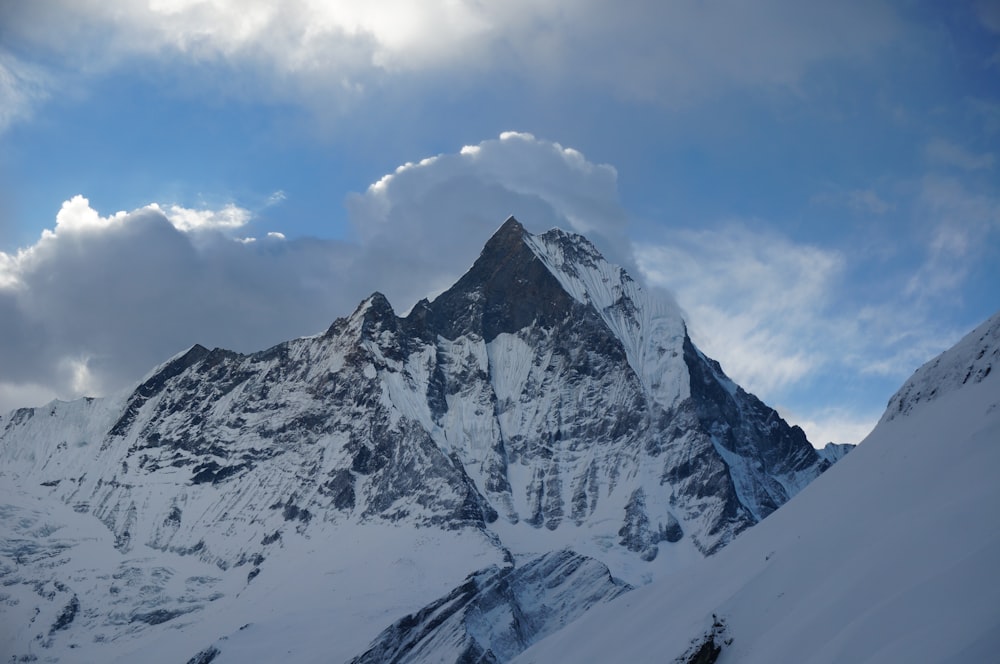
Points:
[[99, 299]]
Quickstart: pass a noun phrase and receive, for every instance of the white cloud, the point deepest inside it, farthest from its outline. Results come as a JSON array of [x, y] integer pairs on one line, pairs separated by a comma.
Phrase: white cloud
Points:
[[773, 310], [672, 53], [98, 300], [785, 318], [757, 302], [430, 218], [76, 215], [186, 219]]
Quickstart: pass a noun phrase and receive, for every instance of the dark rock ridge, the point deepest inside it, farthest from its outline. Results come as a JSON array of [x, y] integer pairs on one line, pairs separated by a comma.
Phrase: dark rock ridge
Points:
[[545, 389], [497, 613]]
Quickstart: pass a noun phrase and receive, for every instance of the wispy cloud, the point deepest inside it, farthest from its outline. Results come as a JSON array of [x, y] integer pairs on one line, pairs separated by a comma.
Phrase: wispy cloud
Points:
[[866, 200], [22, 87], [836, 425], [861, 201], [782, 315], [756, 300], [945, 153], [962, 221], [988, 13]]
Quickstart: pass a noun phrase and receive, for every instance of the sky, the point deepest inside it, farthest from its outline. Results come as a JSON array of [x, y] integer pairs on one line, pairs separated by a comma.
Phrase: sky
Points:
[[817, 184]]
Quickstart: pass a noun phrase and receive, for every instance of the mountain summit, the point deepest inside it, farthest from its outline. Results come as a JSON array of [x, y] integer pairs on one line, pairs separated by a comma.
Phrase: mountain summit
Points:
[[544, 402]]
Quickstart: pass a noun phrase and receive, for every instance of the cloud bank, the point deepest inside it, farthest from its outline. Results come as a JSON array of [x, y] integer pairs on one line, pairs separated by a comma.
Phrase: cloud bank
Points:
[[671, 53], [99, 300]]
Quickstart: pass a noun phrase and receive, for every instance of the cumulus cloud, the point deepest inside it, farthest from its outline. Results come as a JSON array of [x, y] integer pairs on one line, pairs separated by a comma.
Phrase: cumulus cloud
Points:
[[100, 299], [431, 217], [76, 216], [671, 53], [97, 301], [229, 217]]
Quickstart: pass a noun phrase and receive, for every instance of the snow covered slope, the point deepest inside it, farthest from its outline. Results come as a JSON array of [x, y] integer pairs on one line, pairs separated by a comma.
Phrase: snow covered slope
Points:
[[890, 557], [544, 402]]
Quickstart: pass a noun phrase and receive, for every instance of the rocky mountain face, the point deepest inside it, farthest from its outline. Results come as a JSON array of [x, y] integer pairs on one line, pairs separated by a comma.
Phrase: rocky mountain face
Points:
[[543, 401], [886, 558]]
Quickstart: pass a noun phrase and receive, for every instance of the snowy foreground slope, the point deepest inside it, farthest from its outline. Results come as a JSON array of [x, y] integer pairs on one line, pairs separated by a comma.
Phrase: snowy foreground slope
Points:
[[892, 556], [397, 487]]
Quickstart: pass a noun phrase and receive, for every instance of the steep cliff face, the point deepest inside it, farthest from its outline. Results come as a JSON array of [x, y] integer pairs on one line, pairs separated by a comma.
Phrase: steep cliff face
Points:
[[544, 401]]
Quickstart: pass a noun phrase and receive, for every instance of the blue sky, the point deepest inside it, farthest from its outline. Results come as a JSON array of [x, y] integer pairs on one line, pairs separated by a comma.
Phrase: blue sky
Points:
[[816, 183]]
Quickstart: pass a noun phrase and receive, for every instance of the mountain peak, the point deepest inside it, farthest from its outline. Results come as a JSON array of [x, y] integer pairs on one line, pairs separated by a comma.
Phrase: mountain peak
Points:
[[376, 301], [505, 290], [506, 239], [510, 225], [545, 391]]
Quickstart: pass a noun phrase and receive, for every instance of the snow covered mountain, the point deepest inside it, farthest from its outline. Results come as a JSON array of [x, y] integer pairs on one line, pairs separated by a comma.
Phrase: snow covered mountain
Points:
[[889, 557], [543, 403]]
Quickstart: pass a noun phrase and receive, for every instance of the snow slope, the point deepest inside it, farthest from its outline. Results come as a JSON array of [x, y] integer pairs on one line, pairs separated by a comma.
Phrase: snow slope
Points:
[[891, 556]]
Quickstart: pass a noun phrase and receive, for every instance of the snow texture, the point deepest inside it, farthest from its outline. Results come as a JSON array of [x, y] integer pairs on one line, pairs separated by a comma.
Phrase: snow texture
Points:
[[889, 557]]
